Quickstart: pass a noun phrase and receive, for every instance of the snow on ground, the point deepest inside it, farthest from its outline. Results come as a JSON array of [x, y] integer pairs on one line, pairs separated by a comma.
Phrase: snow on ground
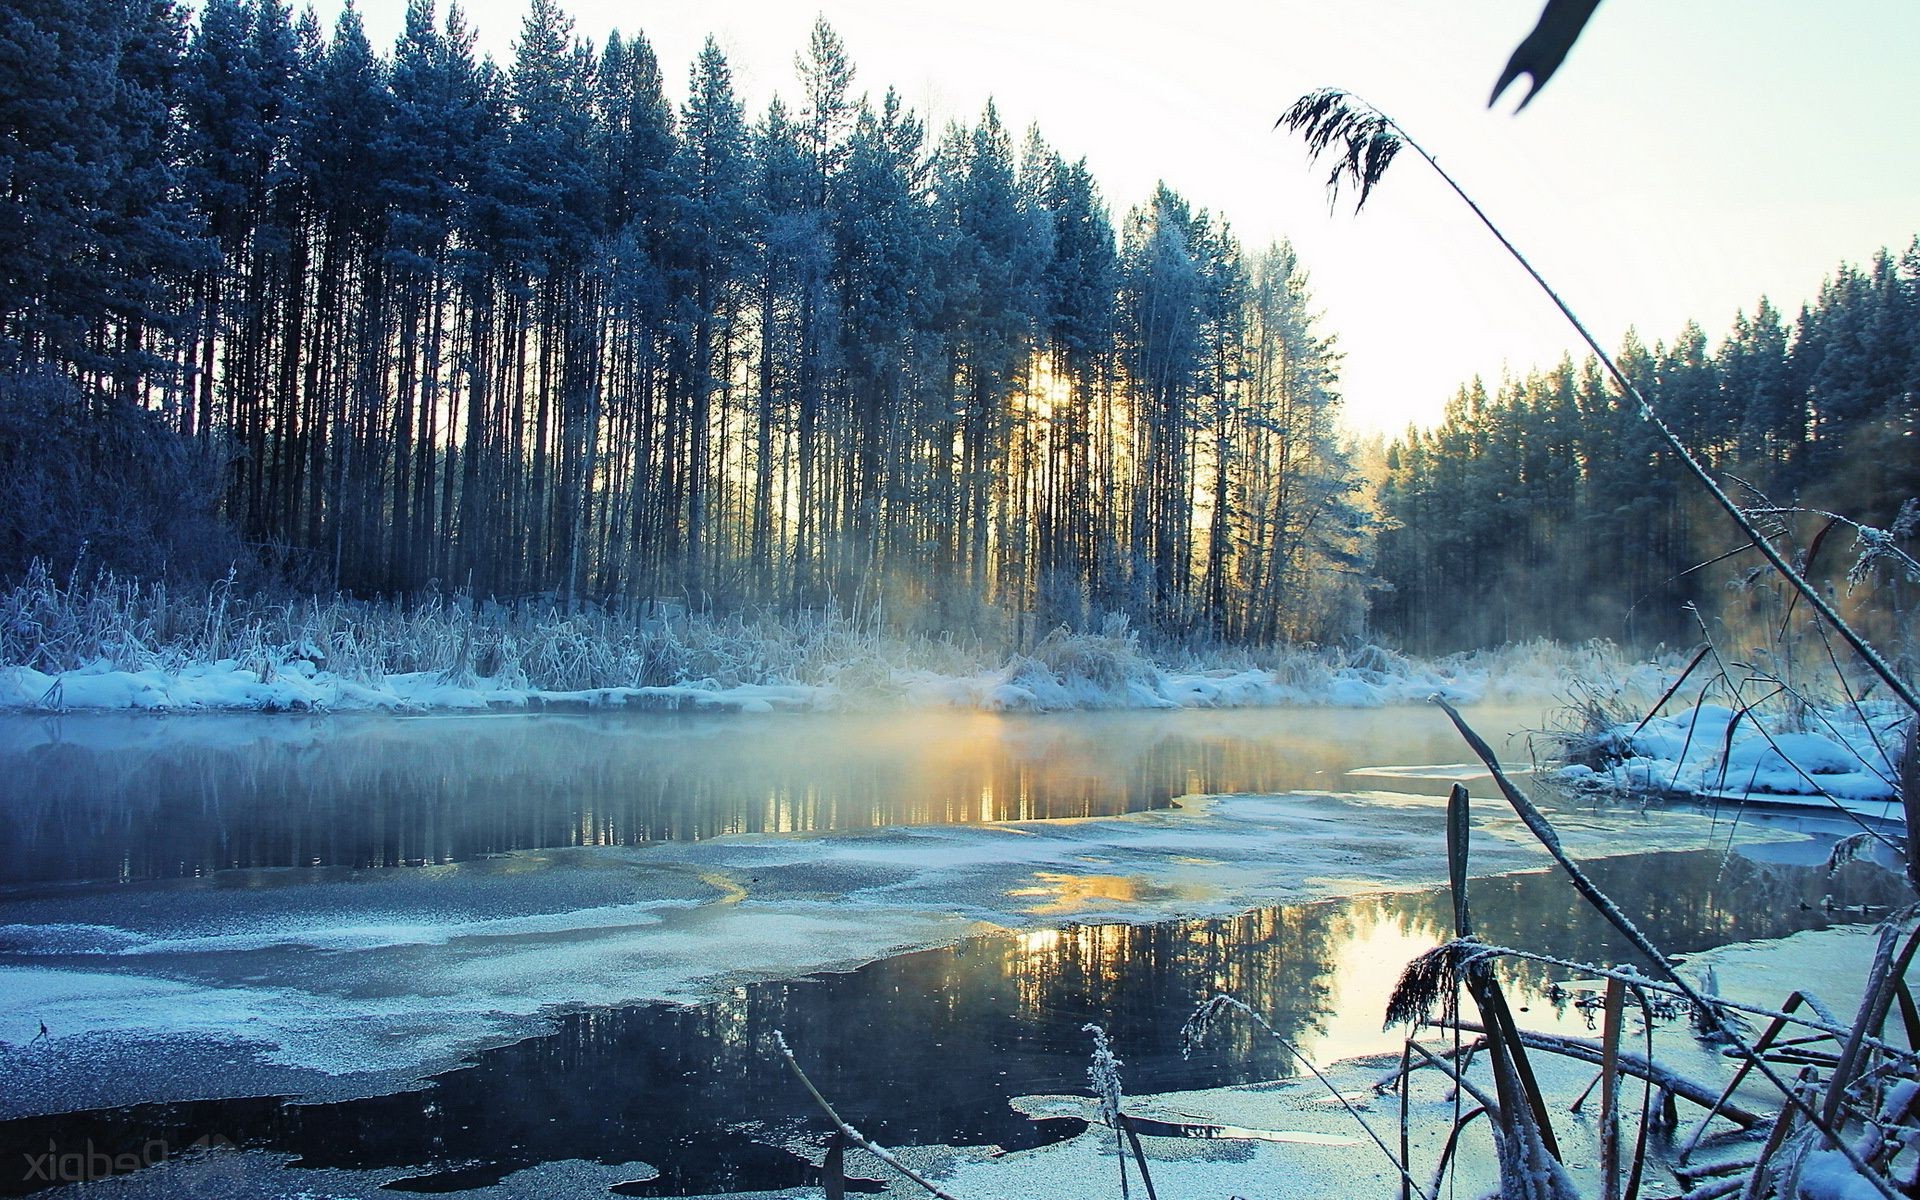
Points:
[[228, 686], [1847, 759], [346, 988], [1025, 686], [1113, 676]]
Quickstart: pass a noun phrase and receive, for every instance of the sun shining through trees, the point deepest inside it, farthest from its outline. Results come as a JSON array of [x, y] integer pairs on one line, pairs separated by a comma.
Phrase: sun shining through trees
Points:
[[532, 328]]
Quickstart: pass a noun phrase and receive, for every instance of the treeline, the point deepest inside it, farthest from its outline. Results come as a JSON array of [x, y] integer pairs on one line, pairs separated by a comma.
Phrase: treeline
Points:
[[1551, 509], [532, 328]]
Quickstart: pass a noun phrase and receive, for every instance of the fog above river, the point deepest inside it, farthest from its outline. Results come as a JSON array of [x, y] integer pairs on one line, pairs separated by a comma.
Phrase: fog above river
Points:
[[125, 798]]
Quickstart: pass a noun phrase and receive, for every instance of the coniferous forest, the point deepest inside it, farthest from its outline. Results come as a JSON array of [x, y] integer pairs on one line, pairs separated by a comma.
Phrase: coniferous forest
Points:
[[1550, 508], [417, 319], [399, 321]]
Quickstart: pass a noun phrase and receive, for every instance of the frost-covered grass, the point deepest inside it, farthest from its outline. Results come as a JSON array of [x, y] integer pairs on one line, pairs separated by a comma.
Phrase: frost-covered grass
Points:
[[109, 643]]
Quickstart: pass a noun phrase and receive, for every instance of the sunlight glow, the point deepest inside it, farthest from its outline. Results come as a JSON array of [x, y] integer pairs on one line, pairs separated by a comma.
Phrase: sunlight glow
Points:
[[1717, 182]]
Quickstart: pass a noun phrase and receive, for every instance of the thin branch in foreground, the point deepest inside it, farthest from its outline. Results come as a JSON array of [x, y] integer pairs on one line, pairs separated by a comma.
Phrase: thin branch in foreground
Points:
[[1195, 1031], [886, 1156], [1825, 1023], [1592, 1053]]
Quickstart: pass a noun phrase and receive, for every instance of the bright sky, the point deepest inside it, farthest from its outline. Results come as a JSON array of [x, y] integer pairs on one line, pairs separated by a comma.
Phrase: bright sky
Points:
[[1687, 158]]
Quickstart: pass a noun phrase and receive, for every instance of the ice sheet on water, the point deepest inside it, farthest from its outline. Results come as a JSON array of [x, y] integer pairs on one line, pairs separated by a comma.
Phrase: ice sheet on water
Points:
[[407, 971], [324, 931], [1472, 770]]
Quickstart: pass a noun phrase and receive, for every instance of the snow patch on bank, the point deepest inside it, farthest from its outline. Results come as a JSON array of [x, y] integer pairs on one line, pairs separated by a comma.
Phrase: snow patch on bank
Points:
[[228, 686], [1024, 685], [1848, 759]]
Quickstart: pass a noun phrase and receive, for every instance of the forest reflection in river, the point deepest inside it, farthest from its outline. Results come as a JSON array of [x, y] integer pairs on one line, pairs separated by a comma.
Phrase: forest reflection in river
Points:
[[131, 798], [928, 1048]]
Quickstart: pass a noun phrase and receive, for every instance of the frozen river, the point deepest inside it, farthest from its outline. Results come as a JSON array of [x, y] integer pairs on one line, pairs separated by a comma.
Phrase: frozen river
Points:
[[577, 931]]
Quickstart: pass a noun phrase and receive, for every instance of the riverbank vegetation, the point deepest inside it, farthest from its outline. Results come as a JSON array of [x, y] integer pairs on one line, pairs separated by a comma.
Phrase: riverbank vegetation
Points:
[[97, 641]]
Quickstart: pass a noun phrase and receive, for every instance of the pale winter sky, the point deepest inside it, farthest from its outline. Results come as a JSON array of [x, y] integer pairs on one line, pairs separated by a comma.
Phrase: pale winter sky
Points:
[[1687, 158]]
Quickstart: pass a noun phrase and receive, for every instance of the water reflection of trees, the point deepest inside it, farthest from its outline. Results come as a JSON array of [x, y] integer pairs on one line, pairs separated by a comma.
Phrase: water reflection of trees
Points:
[[376, 793], [1685, 901], [929, 1047], [924, 1048]]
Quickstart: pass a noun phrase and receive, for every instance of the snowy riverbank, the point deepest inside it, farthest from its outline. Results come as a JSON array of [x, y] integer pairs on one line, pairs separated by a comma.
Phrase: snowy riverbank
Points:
[[111, 645], [819, 665], [1849, 759], [1022, 685]]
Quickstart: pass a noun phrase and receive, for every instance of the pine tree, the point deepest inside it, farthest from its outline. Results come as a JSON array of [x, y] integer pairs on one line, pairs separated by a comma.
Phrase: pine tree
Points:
[[1162, 356], [882, 274], [1754, 375], [713, 229]]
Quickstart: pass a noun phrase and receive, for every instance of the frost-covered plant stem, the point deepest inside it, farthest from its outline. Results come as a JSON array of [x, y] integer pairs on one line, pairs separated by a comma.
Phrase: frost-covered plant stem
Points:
[[1370, 137], [1589, 1052], [1103, 1073], [1195, 1030], [860, 1139]]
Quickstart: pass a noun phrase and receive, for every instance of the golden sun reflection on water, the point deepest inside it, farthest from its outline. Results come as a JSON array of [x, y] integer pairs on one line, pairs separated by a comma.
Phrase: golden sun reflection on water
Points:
[[1377, 946], [1321, 971], [1069, 894]]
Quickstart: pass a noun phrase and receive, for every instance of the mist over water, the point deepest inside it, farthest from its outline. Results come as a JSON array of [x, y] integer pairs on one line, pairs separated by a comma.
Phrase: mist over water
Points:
[[130, 798]]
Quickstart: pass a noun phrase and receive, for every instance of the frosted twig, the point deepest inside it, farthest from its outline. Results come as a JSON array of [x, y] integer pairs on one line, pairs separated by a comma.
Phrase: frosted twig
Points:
[[1103, 1073], [1746, 711], [1872, 545], [1443, 1064], [1195, 1031], [1589, 1052], [880, 1152]]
